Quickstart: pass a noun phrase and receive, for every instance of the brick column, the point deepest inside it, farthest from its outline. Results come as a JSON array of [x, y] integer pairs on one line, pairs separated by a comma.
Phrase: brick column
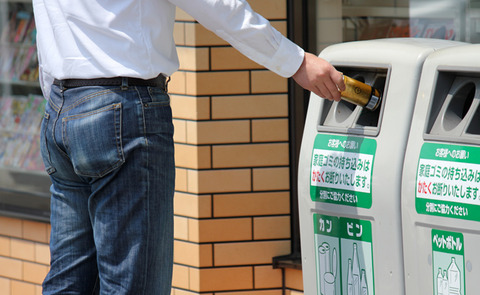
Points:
[[232, 187]]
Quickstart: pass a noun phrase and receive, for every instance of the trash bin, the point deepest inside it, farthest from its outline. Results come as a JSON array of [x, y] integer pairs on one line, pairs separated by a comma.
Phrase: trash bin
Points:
[[350, 171], [441, 177]]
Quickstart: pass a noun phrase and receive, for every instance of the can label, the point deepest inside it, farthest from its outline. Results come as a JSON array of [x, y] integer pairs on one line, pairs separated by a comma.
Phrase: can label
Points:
[[343, 255], [341, 170], [448, 181]]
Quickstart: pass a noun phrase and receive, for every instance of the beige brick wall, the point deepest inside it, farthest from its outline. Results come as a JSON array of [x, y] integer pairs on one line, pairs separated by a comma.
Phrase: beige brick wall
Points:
[[232, 210], [24, 256]]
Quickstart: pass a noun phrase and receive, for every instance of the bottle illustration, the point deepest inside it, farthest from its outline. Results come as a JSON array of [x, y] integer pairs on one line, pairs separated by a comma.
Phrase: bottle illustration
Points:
[[445, 283], [349, 278], [355, 271], [361, 94], [363, 283], [357, 281], [440, 282], [453, 278]]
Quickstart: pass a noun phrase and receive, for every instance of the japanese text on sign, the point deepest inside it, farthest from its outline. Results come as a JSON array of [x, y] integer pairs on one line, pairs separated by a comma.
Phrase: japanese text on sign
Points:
[[448, 181], [449, 242], [346, 144], [452, 154], [341, 170], [445, 209]]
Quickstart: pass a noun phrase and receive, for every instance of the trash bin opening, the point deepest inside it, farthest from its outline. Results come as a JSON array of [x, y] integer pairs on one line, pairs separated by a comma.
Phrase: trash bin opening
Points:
[[346, 117], [459, 105]]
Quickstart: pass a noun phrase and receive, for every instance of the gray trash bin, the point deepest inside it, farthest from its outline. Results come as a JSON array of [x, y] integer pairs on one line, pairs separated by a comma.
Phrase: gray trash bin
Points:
[[350, 171], [441, 178]]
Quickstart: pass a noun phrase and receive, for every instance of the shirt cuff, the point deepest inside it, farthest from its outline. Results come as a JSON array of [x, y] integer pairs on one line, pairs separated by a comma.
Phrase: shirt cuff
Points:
[[288, 58]]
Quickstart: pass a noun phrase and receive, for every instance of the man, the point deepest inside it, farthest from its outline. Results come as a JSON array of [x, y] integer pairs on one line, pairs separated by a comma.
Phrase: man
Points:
[[107, 132]]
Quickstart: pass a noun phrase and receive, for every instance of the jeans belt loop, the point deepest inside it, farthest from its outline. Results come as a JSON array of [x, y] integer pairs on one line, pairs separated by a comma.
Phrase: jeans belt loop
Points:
[[124, 83], [61, 86]]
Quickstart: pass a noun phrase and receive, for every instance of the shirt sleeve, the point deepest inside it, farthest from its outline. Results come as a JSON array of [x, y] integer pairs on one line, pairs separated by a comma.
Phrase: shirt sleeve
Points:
[[248, 32]]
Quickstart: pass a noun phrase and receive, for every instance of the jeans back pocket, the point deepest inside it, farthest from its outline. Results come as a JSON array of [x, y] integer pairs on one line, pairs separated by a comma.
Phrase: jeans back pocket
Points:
[[94, 140]]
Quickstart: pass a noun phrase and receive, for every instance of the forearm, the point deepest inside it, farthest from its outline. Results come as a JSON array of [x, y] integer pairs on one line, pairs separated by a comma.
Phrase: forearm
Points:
[[250, 33]]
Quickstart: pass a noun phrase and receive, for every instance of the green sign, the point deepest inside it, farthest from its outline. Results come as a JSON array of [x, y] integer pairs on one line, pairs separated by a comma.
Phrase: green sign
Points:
[[344, 256], [448, 181], [448, 263], [341, 170]]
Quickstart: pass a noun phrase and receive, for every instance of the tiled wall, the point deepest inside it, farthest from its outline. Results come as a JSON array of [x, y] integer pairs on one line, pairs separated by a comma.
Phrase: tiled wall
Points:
[[232, 212], [231, 132], [24, 256]]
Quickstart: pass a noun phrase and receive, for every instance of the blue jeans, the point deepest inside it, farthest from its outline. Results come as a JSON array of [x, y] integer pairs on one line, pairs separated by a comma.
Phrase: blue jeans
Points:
[[109, 154]]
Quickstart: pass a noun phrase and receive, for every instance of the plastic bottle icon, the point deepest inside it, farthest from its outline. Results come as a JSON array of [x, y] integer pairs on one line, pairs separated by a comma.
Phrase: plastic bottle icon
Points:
[[445, 283], [363, 283], [453, 278], [439, 282]]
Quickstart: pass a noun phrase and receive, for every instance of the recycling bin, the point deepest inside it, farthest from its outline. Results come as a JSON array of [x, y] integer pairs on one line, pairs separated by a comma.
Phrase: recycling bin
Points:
[[350, 170], [441, 177]]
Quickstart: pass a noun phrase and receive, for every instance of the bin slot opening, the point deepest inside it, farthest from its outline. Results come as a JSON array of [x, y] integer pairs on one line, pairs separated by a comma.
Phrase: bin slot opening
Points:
[[343, 110], [458, 106], [371, 118], [454, 113], [350, 118], [359, 77], [474, 126]]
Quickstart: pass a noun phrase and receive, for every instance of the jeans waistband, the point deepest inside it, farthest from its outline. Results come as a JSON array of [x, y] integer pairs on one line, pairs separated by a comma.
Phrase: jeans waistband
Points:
[[159, 81]]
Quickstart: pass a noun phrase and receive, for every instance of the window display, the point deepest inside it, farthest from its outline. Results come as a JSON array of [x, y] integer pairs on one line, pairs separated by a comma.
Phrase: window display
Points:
[[24, 186], [372, 19]]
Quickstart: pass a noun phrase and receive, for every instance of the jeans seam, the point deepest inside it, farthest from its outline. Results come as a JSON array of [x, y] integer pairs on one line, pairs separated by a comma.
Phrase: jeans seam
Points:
[[50, 169], [144, 125], [90, 96], [148, 220], [97, 282], [53, 105], [54, 125]]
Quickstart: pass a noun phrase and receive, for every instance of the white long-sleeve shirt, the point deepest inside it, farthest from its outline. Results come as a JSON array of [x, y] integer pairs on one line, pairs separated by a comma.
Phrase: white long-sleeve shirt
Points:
[[134, 38]]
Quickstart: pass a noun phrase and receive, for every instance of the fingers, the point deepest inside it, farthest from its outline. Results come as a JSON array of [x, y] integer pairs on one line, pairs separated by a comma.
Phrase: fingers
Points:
[[337, 78], [319, 76], [332, 88], [331, 85], [328, 91]]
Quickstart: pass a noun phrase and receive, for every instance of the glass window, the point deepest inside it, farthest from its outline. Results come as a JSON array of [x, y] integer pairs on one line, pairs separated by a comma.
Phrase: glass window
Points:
[[349, 20], [24, 186]]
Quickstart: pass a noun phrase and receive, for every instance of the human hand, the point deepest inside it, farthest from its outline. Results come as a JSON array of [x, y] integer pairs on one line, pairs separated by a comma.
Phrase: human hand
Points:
[[320, 77]]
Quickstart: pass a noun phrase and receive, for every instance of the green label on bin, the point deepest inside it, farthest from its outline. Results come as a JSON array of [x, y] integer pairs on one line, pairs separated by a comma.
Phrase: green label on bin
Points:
[[343, 255], [448, 181], [341, 170], [448, 263]]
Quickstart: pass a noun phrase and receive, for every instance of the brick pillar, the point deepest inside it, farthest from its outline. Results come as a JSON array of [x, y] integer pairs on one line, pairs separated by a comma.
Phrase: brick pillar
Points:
[[24, 256], [231, 143]]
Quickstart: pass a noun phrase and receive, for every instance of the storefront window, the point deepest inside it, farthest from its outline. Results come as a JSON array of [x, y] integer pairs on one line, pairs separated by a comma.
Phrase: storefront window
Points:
[[350, 20], [24, 185]]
